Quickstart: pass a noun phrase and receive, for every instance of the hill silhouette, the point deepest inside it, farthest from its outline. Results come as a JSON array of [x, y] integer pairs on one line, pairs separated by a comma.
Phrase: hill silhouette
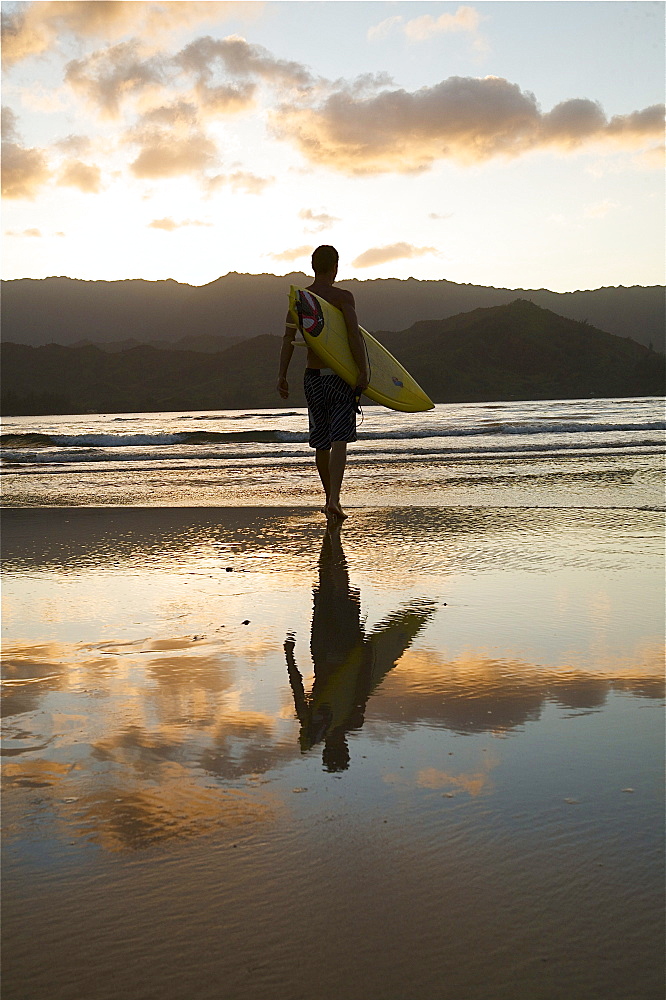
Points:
[[523, 352], [241, 306], [516, 351]]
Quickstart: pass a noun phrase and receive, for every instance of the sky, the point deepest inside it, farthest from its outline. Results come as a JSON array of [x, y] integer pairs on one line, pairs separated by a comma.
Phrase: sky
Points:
[[514, 144]]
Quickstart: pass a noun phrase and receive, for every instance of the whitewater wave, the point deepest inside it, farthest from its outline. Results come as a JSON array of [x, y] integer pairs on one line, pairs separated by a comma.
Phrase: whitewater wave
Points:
[[373, 452], [274, 436], [34, 440]]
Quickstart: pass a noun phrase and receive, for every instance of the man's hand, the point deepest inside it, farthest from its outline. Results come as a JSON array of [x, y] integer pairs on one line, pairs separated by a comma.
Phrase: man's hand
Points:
[[283, 388], [361, 383]]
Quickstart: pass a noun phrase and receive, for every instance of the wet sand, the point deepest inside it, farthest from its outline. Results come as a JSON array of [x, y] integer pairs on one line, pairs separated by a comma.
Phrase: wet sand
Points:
[[419, 757]]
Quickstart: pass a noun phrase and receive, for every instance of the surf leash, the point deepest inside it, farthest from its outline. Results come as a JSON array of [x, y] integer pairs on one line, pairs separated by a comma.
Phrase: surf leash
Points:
[[357, 396]]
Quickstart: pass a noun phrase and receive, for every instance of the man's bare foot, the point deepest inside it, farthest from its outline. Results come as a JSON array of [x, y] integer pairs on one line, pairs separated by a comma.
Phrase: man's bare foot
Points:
[[335, 510]]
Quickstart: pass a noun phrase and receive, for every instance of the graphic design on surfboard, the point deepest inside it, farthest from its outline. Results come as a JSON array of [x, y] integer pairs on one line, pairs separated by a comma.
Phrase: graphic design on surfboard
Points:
[[325, 331]]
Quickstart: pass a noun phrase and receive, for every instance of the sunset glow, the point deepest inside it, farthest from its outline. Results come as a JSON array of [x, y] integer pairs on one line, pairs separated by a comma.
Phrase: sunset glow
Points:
[[503, 144]]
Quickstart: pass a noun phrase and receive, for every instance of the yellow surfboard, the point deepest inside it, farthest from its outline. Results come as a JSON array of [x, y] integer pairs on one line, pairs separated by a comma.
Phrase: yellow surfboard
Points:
[[325, 331]]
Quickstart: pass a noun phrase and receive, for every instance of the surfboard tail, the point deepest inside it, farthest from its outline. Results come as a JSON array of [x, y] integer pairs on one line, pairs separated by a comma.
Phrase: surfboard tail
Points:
[[293, 311]]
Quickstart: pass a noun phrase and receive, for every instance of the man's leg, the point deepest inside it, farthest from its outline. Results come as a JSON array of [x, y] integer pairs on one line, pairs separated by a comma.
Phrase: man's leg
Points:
[[323, 468], [336, 471]]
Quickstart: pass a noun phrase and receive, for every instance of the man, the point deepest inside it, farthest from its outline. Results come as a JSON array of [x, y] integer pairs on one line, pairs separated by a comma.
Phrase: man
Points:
[[331, 402]]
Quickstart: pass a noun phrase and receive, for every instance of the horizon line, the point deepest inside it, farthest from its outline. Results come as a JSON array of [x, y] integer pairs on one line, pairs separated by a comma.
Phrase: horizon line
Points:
[[289, 274]]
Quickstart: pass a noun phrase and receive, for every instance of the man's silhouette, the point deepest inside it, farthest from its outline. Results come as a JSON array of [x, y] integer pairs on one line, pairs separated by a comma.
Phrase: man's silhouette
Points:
[[348, 664]]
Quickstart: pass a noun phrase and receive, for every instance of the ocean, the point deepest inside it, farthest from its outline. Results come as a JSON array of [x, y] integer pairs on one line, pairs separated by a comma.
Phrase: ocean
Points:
[[590, 452]]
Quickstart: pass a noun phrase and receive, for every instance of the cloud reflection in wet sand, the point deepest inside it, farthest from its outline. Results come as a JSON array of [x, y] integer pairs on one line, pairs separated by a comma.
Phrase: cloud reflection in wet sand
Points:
[[188, 722], [474, 694], [148, 781]]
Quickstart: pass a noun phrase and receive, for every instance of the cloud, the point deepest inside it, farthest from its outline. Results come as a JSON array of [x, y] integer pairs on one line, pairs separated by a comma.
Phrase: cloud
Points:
[[297, 253], [162, 156], [86, 177], [105, 77], [221, 76], [75, 145], [420, 29], [226, 99], [241, 59], [36, 28], [168, 225], [171, 143], [396, 251], [10, 130], [200, 63], [26, 232], [464, 19], [464, 119], [240, 180], [648, 122], [33, 29], [24, 170], [384, 28], [320, 221]]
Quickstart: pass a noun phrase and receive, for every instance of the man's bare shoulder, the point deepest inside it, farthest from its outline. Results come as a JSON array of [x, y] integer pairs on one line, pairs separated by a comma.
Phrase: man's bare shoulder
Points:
[[344, 297], [338, 297]]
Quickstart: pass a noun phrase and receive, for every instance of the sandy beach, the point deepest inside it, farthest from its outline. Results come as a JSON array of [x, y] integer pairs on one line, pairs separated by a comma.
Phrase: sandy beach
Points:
[[205, 795]]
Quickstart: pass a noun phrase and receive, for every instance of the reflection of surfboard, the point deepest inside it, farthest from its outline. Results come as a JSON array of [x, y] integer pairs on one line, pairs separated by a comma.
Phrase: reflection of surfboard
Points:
[[391, 637], [339, 697], [325, 331]]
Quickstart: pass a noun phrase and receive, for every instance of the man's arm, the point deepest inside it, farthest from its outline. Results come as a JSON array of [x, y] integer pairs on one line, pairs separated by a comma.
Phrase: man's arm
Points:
[[286, 352], [295, 679]]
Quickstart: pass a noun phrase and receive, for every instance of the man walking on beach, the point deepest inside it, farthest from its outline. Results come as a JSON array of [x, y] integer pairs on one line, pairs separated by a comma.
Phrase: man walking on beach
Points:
[[331, 402]]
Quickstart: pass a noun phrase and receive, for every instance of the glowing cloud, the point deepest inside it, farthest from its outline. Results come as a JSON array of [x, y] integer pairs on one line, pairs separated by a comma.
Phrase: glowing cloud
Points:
[[419, 29], [219, 76], [464, 119], [74, 145], [85, 177], [319, 221], [168, 225], [397, 251], [111, 74], [384, 28], [240, 180], [241, 59], [35, 28], [464, 19], [171, 143], [287, 256], [26, 232], [24, 170]]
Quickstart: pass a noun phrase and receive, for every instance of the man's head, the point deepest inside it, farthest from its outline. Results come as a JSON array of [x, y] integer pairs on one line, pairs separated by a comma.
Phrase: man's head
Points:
[[325, 260]]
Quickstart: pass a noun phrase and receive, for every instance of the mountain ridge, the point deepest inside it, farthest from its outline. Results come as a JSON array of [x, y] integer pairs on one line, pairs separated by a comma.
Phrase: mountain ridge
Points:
[[514, 351], [240, 306]]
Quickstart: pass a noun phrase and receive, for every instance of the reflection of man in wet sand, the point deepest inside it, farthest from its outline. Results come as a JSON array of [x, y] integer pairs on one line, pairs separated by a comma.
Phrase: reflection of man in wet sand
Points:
[[348, 664]]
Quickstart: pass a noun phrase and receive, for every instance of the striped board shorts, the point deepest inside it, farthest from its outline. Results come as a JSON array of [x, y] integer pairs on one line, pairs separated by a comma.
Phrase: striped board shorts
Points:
[[331, 408]]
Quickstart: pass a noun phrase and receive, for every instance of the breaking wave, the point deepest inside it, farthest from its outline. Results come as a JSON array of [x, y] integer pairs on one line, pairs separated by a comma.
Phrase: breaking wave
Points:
[[275, 436]]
